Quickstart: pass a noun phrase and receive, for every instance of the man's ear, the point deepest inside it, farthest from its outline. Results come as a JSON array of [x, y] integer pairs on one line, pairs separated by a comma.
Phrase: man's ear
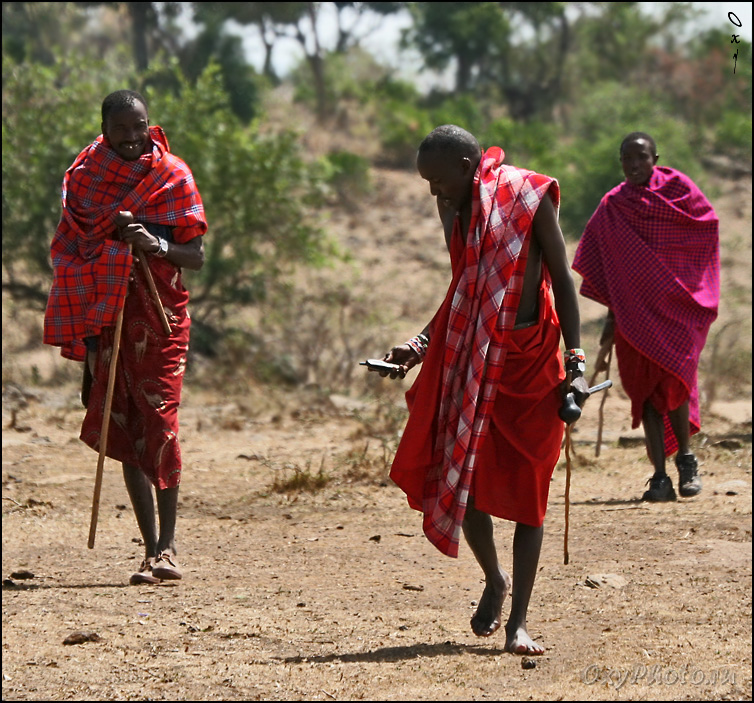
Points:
[[465, 164], [654, 163]]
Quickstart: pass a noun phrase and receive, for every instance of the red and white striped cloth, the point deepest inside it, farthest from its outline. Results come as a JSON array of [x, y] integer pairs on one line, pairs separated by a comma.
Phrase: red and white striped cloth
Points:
[[483, 312]]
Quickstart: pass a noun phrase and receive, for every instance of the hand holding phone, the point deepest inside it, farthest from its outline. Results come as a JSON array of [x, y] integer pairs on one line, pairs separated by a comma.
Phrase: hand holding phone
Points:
[[384, 367]]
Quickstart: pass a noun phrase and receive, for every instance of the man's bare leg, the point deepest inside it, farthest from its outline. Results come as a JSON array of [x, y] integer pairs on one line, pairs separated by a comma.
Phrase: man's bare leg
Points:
[[478, 531], [654, 436], [167, 508], [689, 482], [660, 486], [679, 421], [140, 491], [527, 544]]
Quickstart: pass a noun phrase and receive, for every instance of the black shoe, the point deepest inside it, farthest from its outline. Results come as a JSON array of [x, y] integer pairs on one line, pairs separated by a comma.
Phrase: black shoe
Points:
[[689, 483], [660, 489]]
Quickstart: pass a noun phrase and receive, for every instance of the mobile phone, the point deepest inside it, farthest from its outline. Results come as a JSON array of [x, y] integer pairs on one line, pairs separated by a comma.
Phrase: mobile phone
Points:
[[379, 365]]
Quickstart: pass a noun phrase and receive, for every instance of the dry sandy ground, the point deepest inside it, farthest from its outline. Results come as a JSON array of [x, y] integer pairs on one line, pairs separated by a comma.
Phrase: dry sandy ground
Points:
[[334, 593]]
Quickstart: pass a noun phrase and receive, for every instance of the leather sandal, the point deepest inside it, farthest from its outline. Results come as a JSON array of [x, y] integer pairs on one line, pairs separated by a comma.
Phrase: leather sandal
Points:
[[145, 573], [166, 568]]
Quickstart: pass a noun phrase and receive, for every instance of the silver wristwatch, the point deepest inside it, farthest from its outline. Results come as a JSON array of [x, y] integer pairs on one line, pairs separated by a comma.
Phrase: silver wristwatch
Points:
[[163, 250]]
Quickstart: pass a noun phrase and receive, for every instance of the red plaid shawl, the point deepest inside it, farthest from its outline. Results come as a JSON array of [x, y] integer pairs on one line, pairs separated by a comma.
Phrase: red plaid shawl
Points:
[[651, 254], [482, 313], [91, 270]]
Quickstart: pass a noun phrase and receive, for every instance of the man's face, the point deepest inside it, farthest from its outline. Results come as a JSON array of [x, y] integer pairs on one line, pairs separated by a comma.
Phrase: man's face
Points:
[[449, 177], [638, 159], [128, 131]]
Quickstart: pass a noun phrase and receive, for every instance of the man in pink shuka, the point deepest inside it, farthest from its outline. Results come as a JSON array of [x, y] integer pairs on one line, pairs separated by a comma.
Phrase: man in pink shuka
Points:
[[650, 253]]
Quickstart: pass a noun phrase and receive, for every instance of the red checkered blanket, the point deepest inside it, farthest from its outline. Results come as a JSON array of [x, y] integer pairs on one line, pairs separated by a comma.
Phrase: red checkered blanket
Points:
[[90, 268], [482, 314]]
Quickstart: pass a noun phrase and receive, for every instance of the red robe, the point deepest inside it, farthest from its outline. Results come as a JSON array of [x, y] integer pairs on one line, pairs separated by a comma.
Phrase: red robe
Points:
[[470, 409], [91, 284]]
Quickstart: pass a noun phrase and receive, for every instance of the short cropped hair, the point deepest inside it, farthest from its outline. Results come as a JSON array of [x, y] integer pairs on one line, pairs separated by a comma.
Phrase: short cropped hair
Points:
[[121, 100], [451, 139], [635, 137]]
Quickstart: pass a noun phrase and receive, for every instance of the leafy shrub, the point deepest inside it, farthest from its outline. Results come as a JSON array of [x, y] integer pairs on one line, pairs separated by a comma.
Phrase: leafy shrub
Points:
[[588, 164], [348, 174], [260, 193], [50, 113], [733, 135]]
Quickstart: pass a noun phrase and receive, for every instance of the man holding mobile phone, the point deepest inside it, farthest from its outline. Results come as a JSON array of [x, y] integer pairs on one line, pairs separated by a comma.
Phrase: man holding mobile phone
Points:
[[483, 434]]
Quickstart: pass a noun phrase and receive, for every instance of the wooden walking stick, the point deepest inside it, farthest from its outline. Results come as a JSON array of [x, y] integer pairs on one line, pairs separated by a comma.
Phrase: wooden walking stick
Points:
[[568, 420], [602, 407], [105, 424], [569, 413], [567, 491], [123, 219], [153, 289]]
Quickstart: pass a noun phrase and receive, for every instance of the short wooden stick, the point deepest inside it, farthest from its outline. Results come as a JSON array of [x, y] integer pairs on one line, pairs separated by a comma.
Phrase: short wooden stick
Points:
[[153, 290]]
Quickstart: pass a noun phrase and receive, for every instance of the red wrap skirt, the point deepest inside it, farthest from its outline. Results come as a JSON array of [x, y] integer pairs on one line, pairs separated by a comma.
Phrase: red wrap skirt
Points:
[[519, 453], [143, 427]]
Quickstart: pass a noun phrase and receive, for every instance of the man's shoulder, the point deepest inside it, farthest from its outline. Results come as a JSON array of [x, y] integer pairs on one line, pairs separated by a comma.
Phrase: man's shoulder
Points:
[[668, 176], [515, 174], [178, 170], [615, 193], [177, 163]]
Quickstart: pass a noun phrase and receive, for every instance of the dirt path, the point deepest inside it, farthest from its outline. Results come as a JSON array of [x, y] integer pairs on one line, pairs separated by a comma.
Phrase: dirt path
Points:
[[335, 594]]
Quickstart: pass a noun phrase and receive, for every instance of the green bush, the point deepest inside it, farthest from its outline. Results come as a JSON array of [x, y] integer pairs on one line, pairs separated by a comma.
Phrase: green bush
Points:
[[260, 194], [733, 135], [50, 113], [348, 174], [588, 164]]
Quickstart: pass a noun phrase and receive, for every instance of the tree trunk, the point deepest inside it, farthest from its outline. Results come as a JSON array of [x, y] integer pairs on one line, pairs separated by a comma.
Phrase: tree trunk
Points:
[[139, 12]]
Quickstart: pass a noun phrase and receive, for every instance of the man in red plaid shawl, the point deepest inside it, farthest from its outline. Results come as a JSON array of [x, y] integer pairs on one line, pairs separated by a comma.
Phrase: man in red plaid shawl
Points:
[[650, 254], [129, 167], [483, 434]]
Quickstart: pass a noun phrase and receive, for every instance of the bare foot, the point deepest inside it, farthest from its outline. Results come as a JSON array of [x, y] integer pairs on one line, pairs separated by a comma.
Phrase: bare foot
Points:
[[519, 642], [486, 620]]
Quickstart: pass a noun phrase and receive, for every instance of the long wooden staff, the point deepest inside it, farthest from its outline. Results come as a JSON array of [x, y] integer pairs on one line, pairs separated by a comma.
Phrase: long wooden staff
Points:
[[568, 478], [105, 424], [602, 407], [567, 491], [123, 219]]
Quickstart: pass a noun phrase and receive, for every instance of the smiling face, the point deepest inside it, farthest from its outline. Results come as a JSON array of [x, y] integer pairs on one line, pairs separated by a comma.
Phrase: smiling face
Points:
[[128, 131], [638, 159], [450, 177]]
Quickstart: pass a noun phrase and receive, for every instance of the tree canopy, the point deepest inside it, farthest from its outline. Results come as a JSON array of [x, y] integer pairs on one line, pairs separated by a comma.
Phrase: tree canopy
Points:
[[556, 84]]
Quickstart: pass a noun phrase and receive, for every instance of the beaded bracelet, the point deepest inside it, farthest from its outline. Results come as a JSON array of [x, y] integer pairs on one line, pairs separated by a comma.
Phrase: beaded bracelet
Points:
[[569, 354], [419, 344], [575, 359]]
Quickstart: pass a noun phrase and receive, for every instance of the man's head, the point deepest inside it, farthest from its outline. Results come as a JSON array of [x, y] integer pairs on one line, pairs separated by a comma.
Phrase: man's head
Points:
[[125, 123], [447, 159], [638, 156]]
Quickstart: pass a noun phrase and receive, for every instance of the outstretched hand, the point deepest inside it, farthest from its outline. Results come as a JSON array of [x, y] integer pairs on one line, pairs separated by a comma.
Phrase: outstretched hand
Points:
[[404, 356]]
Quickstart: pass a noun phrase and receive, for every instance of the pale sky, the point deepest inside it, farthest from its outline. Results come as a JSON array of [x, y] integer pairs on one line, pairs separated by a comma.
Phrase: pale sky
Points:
[[384, 42]]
